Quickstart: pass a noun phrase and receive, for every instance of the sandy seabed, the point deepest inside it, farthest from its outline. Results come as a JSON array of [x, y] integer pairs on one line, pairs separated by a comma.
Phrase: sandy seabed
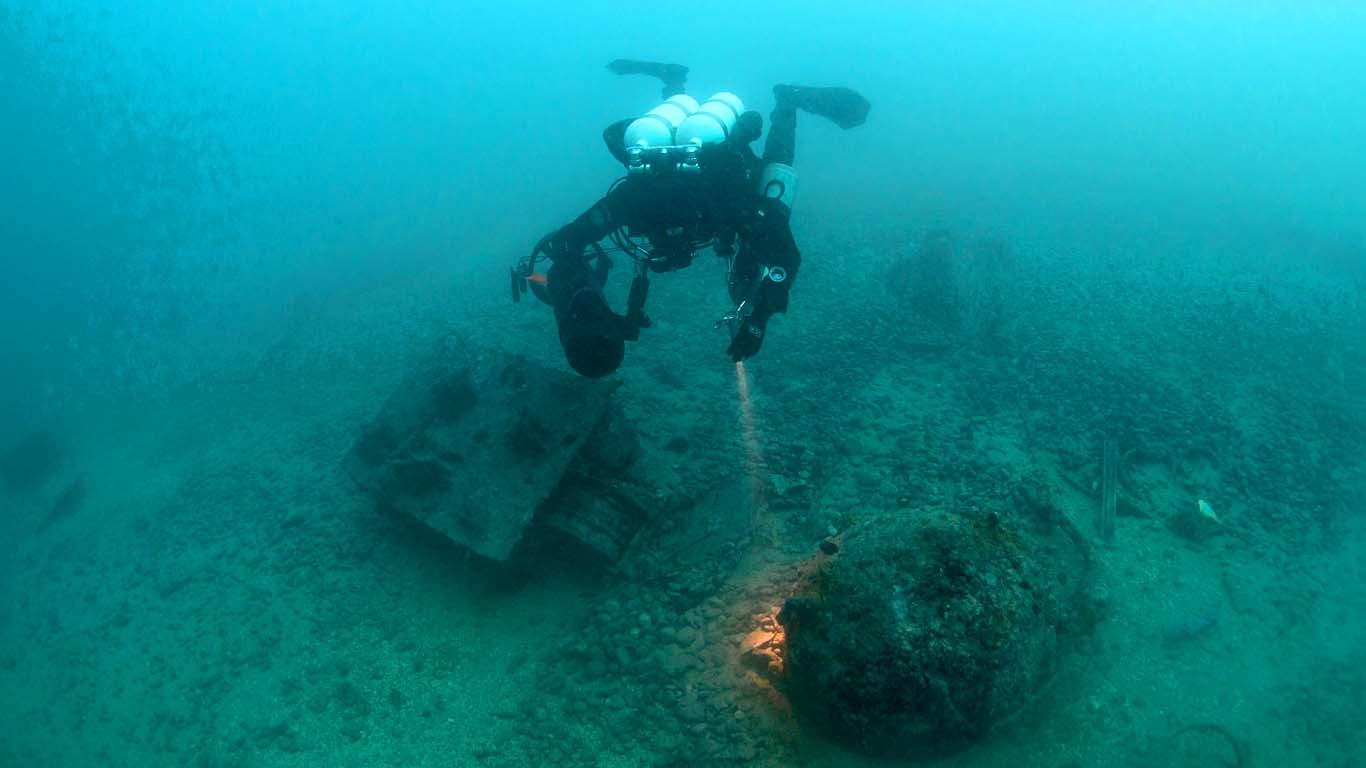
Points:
[[224, 597]]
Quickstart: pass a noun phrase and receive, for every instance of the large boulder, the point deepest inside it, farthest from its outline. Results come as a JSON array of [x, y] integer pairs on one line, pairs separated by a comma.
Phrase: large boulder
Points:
[[918, 635]]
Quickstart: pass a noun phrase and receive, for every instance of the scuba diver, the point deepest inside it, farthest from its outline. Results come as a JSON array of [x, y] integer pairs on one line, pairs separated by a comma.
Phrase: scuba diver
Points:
[[692, 181]]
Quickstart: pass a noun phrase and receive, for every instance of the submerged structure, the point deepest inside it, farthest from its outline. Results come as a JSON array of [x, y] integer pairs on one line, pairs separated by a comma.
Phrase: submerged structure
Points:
[[925, 282], [478, 444]]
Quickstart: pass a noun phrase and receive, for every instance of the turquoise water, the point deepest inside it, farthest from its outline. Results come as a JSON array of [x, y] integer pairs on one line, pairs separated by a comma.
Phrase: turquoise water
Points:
[[231, 235]]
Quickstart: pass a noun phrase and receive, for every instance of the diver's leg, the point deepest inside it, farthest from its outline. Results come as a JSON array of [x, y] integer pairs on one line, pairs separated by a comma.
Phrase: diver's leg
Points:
[[778, 179], [781, 144], [673, 76], [842, 106]]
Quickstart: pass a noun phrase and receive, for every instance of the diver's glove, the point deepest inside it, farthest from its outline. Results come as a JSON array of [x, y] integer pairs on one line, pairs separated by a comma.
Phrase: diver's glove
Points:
[[749, 336]]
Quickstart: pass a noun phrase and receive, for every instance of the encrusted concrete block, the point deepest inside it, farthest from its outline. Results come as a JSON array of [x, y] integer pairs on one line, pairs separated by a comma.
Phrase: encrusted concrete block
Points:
[[474, 440]]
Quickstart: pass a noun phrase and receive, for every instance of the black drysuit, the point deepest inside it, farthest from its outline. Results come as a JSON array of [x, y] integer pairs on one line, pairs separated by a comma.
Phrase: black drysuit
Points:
[[675, 212]]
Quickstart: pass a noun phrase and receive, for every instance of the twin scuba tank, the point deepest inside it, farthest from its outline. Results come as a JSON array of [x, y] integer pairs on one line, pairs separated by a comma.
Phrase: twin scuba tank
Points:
[[668, 138]]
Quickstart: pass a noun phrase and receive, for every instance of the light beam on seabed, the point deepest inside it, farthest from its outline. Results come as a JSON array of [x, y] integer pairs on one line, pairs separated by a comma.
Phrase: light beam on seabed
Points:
[[754, 452]]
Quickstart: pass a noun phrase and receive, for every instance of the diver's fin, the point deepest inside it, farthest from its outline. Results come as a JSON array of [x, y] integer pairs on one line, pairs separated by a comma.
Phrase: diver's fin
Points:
[[673, 76], [842, 106]]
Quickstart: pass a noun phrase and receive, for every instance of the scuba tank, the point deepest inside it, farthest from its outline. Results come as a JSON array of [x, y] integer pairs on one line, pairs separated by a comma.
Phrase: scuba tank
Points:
[[668, 137], [712, 121], [657, 127]]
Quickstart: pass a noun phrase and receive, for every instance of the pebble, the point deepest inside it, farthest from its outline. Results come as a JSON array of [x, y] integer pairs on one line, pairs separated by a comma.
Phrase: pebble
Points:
[[687, 662]]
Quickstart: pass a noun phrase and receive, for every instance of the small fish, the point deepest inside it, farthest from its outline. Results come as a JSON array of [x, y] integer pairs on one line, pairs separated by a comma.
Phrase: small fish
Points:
[[1206, 510]]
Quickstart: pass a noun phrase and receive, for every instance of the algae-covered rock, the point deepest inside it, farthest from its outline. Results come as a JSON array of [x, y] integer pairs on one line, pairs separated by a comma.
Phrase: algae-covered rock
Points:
[[921, 633]]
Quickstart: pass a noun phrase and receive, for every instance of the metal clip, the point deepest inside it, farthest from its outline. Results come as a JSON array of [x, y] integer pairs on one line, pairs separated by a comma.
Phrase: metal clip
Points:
[[738, 315]]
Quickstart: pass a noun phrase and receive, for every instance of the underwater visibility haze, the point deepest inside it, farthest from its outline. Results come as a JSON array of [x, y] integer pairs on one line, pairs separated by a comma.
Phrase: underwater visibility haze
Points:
[[949, 384]]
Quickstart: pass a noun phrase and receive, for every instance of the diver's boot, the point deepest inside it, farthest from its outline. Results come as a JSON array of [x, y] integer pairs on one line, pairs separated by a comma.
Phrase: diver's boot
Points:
[[673, 76], [842, 106]]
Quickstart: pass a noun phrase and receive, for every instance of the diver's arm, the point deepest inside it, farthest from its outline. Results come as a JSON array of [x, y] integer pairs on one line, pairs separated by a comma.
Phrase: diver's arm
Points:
[[570, 269], [568, 242], [775, 247], [565, 249], [770, 260], [573, 285]]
